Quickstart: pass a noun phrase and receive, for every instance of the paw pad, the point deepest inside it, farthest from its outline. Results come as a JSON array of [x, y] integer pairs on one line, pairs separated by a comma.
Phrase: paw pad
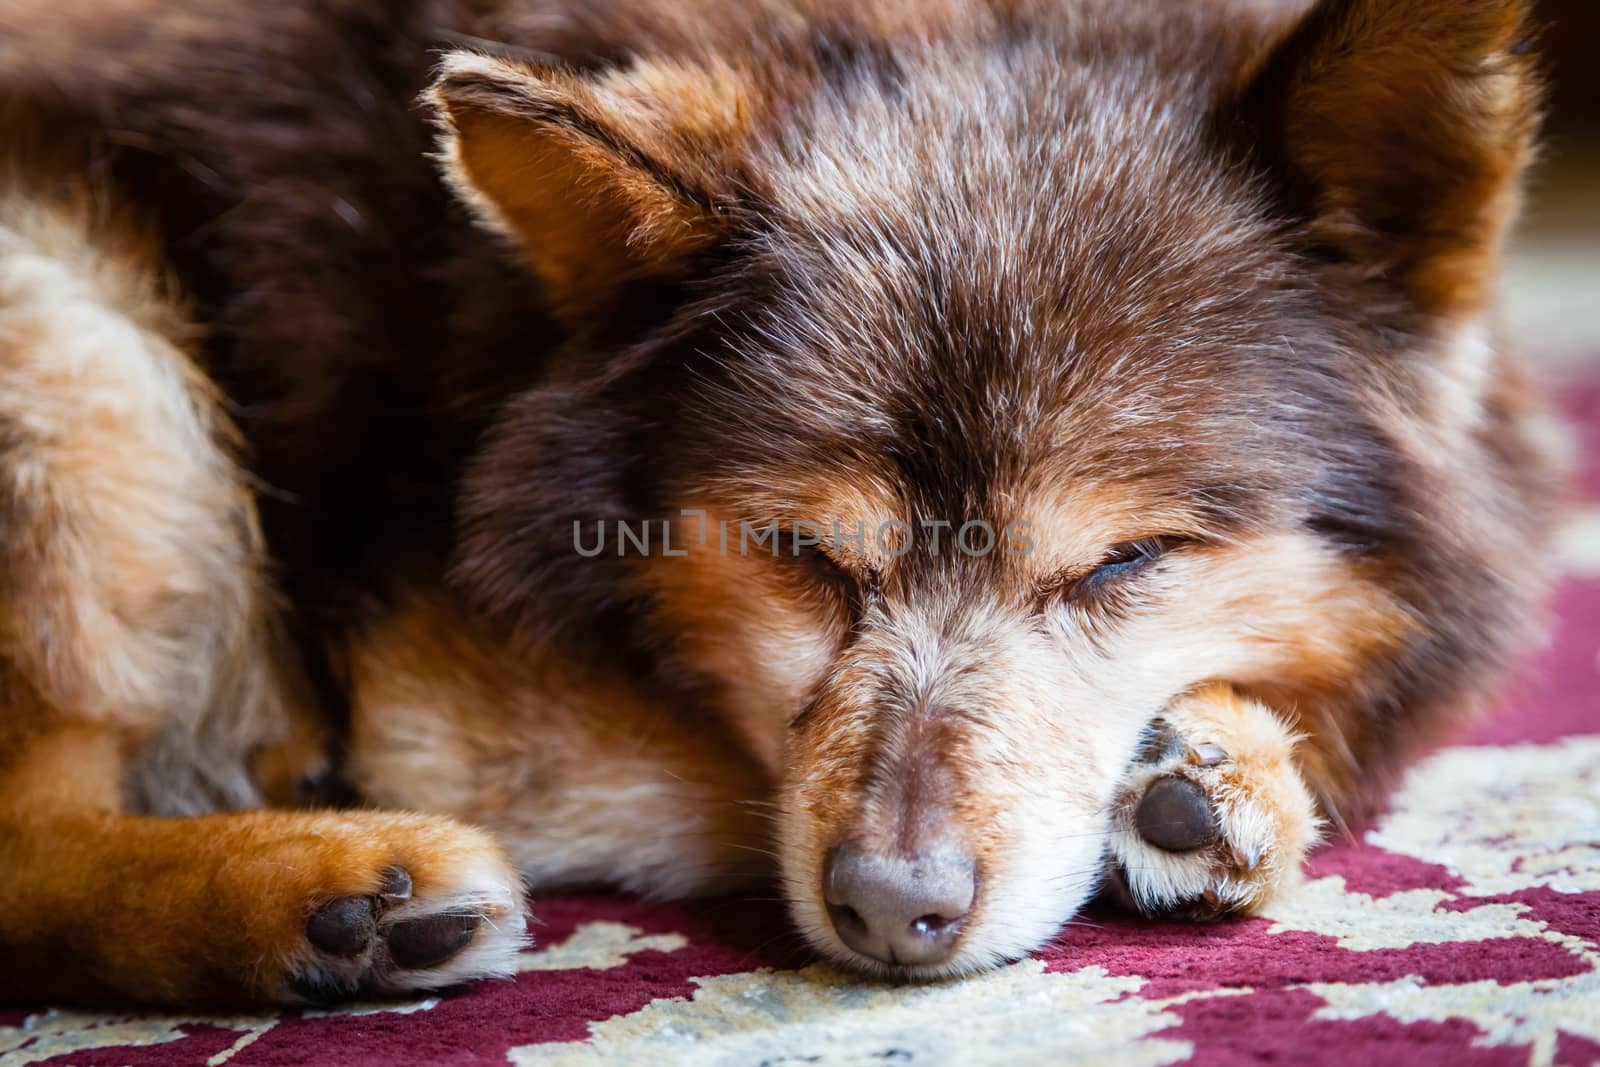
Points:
[[428, 942], [344, 928], [1175, 815], [347, 927], [351, 927]]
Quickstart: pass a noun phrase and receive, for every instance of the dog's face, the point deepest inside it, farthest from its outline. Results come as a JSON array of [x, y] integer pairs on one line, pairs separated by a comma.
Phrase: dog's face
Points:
[[1000, 400]]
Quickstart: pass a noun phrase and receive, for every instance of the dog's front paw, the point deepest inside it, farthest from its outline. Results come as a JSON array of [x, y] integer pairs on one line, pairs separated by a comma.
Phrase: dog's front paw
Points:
[[395, 903], [1213, 817]]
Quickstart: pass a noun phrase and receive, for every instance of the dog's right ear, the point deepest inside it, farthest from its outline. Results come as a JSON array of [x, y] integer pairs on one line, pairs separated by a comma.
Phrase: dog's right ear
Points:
[[601, 179]]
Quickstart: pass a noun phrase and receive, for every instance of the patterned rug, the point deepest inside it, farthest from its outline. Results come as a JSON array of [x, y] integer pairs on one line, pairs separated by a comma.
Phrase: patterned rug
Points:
[[1462, 929]]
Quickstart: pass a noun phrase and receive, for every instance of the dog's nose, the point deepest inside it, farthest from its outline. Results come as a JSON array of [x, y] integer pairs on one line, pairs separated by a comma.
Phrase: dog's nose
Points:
[[899, 909]]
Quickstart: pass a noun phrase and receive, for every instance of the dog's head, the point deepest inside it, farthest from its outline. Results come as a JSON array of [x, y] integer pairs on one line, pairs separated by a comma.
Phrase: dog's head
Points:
[[951, 389]]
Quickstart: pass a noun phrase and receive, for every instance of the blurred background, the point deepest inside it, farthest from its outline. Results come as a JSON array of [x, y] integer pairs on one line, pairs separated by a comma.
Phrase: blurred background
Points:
[[1553, 291], [1552, 299]]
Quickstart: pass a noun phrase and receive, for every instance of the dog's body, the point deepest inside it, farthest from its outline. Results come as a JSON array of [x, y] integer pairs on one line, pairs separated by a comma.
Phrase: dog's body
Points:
[[1191, 303]]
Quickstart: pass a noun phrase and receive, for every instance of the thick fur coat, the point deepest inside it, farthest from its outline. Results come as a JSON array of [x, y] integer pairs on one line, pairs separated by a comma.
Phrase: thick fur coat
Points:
[[980, 453]]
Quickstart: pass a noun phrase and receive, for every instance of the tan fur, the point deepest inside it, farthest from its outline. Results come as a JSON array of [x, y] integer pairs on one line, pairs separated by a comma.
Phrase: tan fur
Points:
[[141, 669], [448, 719], [766, 629], [132, 578]]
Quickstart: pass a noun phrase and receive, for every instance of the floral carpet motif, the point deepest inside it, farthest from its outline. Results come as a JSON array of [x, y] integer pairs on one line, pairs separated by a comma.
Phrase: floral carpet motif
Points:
[[1462, 929]]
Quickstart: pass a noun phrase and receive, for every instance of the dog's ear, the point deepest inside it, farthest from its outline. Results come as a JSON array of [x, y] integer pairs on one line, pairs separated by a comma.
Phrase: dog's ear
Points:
[[602, 179], [1400, 129]]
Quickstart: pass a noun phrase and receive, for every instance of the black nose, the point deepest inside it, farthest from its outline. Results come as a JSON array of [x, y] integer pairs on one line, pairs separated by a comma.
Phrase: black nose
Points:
[[899, 909]]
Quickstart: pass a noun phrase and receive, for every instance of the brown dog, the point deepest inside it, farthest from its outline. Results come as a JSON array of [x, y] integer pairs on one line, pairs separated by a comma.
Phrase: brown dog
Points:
[[987, 450]]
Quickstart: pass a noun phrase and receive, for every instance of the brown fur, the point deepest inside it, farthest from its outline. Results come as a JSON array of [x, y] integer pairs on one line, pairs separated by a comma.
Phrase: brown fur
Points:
[[295, 426]]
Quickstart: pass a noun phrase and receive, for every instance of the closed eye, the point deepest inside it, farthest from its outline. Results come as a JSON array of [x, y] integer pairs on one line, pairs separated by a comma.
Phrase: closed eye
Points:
[[825, 571], [1121, 564]]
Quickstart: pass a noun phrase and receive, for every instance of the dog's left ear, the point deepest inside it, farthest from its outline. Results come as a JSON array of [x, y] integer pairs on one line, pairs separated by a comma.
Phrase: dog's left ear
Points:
[[1400, 130], [601, 179]]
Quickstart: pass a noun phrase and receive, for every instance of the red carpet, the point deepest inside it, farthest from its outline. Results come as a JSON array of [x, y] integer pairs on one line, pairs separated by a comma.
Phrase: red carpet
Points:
[[1463, 929]]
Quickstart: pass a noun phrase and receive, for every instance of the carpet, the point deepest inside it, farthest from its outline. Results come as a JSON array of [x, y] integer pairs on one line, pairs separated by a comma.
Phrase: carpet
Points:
[[1461, 929]]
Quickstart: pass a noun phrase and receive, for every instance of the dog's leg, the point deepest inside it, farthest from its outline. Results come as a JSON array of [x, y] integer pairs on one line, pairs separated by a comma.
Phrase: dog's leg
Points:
[[219, 910], [133, 609], [1214, 816]]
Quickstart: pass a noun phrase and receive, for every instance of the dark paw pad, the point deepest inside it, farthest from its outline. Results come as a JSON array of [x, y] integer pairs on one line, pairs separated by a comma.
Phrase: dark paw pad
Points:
[[1175, 815], [428, 942], [343, 928]]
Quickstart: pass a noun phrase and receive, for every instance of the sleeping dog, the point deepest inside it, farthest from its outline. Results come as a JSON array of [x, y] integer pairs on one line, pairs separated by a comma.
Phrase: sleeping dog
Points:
[[957, 457]]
